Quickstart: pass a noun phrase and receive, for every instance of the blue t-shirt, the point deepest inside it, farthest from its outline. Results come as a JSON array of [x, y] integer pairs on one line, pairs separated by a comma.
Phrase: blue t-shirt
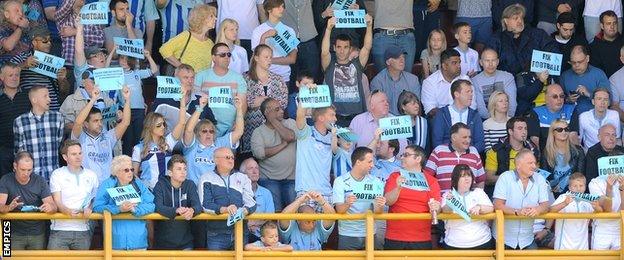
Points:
[[225, 116], [98, 152], [383, 168], [341, 162], [314, 160], [561, 174], [200, 157], [133, 78], [302, 241], [591, 79], [342, 188], [264, 203]]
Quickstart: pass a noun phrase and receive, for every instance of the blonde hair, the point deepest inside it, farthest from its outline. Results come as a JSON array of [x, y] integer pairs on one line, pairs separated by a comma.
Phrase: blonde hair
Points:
[[201, 124], [4, 6], [551, 150], [429, 50], [221, 34], [118, 163], [492, 101], [515, 9], [146, 135], [198, 16]]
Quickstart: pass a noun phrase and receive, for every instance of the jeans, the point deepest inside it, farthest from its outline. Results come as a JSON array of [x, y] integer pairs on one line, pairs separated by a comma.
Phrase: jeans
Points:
[[28, 242], [424, 23], [481, 28], [283, 191], [382, 41], [219, 240], [133, 134], [69, 240], [308, 59]]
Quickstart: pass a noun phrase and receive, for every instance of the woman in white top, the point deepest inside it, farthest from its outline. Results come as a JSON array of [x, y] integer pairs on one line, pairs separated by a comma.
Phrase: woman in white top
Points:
[[459, 233], [494, 128], [228, 34]]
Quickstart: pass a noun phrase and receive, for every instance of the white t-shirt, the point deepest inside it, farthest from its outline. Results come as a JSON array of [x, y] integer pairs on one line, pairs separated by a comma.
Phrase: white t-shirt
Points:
[[594, 8], [469, 60], [463, 234], [588, 129], [282, 70], [571, 234], [76, 192], [245, 12], [239, 61], [598, 186]]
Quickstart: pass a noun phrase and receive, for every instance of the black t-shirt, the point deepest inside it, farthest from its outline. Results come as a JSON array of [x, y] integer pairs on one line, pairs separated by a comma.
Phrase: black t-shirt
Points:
[[30, 194]]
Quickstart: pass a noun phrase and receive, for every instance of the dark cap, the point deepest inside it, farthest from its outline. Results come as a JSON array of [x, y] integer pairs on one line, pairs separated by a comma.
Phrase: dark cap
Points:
[[393, 52], [92, 50], [38, 31], [566, 17]]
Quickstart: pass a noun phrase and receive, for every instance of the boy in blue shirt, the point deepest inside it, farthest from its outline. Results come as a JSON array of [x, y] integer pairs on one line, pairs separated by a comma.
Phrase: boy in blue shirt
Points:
[[307, 235]]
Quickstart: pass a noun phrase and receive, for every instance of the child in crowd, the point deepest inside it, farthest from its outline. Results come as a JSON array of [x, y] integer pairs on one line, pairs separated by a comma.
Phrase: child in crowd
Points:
[[469, 57], [269, 240], [341, 148], [571, 234], [430, 57], [303, 79]]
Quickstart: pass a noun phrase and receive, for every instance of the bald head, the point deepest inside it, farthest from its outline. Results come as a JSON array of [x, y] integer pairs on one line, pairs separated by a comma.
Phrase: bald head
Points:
[[554, 97], [379, 105], [224, 160], [607, 135]]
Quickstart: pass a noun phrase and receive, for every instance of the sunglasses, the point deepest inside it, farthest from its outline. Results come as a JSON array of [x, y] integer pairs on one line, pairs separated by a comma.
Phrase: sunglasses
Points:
[[561, 129], [127, 170], [223, 55], [46, 40], [161, 124], [212, 131], [562, 96]]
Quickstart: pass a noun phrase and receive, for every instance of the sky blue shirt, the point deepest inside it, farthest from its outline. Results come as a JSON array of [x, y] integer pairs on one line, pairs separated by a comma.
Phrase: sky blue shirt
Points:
[[314, 160], [341, 163], [383, 168], [200, 157], [225, 116], [519, 233], [343, 188], [98, 152], [302, 241]]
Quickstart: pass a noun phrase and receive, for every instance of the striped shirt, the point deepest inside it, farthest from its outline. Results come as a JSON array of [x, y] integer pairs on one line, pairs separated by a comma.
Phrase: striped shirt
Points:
[[143, 11], [41, 136], [11, 108], [29, 79], [493, 131], [174, 17], [420, 131], [444, 158], [65, 17]]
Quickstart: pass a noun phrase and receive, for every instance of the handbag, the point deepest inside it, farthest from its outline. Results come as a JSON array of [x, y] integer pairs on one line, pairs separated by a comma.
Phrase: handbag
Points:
[[170, 69]]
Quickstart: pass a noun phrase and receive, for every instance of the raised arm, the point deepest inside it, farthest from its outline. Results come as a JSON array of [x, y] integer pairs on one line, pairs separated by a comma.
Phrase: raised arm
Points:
[[179, 127], [325, 54], [153, 66], [189, 133], [368, 41], [121, 128], [239, 123], [79, 52]]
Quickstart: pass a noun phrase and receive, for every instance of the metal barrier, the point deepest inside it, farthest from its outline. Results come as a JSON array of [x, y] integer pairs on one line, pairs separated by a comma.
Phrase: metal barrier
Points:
[[369, 253]]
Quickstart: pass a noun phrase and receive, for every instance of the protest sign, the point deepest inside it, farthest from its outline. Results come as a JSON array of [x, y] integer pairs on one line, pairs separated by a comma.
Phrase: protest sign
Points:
[[238, 216], [542, 60], [350, 18], [123, 194], [367, 190], [168, 87], [611, 165], [315, 97], [284, 41], [457, 206], [220, 97], [109, 116], [414, 180], [48, 65], [342, 4], [396, 127], [94, 13], [346, 134], [130, 47], [109, 78], [584, 196]]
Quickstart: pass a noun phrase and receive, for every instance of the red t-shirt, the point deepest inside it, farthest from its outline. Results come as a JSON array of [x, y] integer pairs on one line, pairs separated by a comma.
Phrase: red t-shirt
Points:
[[411, 201]]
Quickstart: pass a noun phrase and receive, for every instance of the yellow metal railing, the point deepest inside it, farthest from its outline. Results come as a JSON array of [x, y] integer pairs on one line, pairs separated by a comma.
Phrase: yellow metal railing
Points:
[[369, 253]]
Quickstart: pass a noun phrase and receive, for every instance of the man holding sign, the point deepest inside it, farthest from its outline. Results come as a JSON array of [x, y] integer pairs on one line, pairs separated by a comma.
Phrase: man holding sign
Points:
[[606, 147], [356, 193], [122, 25], [74, 103], [606, 232]]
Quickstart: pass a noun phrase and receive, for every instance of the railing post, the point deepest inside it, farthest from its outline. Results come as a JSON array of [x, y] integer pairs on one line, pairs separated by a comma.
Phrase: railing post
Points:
[[370, 236], [621, 234], [500, 235], [108, 236], [238, 240]]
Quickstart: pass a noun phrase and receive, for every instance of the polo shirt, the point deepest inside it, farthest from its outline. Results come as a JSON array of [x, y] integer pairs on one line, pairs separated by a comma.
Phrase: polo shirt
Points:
[[201, 158], [9, 110], [436, 92], [393, 88], [519, 233], [76, 190], [98, 152], [598, 186], [588, 130], [302, 241], [443, 160], [314, 158], [343, 187], [568, 231], [411, 201]]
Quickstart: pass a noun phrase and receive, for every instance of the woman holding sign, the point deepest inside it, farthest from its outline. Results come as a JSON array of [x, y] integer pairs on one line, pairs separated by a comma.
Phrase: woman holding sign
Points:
[[122, 193], [466, 234]]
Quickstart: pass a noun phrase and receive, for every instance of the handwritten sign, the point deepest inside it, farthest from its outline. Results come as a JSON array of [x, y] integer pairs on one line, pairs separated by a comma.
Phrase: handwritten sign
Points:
[[238, 216], [168, 87], [220, 97], [342, 4], [396, 127], [542, 60], [315, 97], [368, 190], [284, 41], [350, 18], [109, 116], [130, 47], [584, 196], [109, 78], [611, 165], [457, 206], [94, 13], [49, 65], [346, 134], [123, 194], [414, 180]]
